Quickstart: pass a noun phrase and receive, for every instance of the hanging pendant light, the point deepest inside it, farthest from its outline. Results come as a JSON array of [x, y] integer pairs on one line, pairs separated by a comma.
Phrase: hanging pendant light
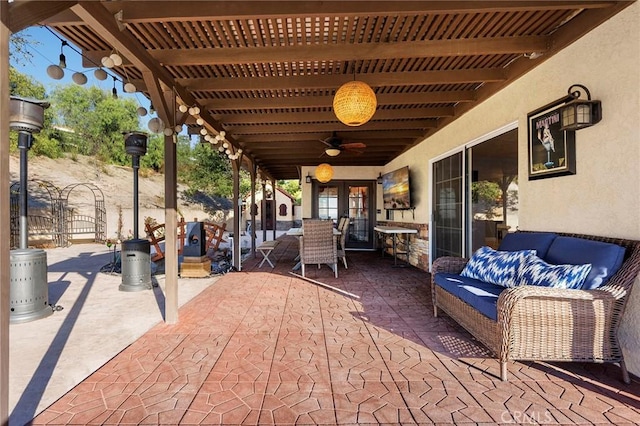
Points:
[[354, 103], [324, 172]]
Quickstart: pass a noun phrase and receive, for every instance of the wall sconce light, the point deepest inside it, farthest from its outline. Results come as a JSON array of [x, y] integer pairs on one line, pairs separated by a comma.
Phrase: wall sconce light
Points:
[[580, 113], [308, 178], [379, 179]]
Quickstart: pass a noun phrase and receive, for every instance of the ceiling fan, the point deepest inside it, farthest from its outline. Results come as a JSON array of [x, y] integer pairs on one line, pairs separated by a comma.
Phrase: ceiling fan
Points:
[[335, 146]]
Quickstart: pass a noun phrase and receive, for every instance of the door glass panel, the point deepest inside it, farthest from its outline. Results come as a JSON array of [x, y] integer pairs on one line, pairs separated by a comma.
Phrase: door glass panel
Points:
[[359, 214], [494, 189], [447, 204], [328, 202]]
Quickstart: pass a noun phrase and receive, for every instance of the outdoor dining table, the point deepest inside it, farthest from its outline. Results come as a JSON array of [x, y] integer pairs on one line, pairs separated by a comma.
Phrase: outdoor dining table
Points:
[[297, 232]]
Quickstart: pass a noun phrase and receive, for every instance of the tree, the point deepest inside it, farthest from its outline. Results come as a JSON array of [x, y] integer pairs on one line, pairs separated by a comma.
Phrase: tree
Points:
[[96, 121], [293, 188], [44, 142]]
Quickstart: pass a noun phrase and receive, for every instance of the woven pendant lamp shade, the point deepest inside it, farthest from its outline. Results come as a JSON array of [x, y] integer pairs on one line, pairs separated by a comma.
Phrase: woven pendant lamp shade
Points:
[[324, 172], [354, 103]]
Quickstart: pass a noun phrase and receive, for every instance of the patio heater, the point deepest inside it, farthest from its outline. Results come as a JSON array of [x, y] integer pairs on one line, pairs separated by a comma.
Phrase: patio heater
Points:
[[29, 289], [135, 253]]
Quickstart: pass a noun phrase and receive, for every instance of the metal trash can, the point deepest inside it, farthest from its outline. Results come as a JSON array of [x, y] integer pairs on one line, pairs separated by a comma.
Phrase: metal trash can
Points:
[[136, 265], [29, 289]]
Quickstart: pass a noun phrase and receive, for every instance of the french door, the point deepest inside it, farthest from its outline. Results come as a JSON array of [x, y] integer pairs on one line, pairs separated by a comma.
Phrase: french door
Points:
[[354, 199]]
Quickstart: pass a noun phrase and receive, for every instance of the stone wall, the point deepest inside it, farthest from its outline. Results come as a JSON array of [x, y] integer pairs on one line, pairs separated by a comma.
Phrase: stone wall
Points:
[[418, 243]]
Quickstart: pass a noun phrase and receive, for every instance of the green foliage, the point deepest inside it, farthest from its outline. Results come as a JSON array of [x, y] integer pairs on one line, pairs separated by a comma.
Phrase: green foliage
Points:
[[18, 51], [45, 146], [154, 159], [209, 172], [96, 121], [44, 143], [293, 188], [486, 197]]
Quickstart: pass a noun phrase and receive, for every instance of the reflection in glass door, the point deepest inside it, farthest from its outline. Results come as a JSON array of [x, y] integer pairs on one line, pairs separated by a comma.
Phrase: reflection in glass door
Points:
[[360, 225], [348, 198], [447, 219]]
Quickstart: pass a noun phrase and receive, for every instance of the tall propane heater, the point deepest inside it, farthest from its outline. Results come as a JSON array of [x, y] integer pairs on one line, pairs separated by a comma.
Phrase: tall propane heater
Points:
[[135, 255], [29, 289]]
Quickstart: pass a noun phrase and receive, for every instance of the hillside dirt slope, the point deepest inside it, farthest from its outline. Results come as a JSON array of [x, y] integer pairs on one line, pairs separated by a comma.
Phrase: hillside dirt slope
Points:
[[116, 185]]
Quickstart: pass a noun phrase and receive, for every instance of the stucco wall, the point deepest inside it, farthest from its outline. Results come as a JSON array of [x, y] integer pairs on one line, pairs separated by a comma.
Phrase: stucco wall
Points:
[[603, 197]]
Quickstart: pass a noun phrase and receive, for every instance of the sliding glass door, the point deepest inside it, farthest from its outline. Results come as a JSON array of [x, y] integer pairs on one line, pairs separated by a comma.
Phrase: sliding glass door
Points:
[[446, 218], [475, 195]]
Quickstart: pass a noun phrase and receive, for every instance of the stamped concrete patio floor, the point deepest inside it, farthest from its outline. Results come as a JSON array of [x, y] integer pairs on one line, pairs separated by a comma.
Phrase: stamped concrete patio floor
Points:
[[262, 346]]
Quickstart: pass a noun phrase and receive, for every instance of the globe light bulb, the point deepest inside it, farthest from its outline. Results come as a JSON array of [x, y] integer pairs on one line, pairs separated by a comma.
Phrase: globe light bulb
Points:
[[79, 78], [183, 108], [130, 87], [199, 121], [117, 59], [100, 74], [168, 132], [141, 111], [55, 72], [107, 62]]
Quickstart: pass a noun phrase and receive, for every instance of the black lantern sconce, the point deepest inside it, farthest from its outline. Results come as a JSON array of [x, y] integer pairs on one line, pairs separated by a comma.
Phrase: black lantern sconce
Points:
[[579, 113], [308, 178], [379, 179]]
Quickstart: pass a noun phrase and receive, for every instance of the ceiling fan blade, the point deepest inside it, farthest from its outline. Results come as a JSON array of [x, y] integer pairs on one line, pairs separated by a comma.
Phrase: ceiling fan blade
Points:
[[354, 151], [326, 142], [353, 145]]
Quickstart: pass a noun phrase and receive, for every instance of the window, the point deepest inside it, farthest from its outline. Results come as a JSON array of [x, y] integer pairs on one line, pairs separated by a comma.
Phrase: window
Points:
[[282, 209]]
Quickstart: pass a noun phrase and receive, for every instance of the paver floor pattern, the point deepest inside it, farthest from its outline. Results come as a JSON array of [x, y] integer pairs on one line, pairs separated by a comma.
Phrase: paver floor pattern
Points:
[[266, 347]]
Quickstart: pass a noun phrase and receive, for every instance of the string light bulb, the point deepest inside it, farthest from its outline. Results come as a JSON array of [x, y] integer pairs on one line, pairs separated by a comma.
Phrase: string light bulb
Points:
[[55, 72], [129, 87], [79, 78], [100, 74], [141, 111], [117, 59], [183, 108]]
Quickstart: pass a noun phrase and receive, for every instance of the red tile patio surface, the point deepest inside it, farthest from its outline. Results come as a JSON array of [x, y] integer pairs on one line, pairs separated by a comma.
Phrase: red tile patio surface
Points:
[[264, 347]]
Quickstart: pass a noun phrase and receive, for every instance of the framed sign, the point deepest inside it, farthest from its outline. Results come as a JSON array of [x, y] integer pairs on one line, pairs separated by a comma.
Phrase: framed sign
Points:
[[552, 152]]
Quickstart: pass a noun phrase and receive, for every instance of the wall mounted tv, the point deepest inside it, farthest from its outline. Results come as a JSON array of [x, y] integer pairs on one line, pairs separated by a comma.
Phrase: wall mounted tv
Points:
[[396, 193]]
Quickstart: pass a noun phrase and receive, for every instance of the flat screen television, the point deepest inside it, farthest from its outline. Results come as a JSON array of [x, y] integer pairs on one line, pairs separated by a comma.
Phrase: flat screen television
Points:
[[396, 193]]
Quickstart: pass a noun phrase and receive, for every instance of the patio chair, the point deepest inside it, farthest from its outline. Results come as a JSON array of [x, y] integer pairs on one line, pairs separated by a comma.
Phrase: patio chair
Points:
[[318, 245], [343, 227]]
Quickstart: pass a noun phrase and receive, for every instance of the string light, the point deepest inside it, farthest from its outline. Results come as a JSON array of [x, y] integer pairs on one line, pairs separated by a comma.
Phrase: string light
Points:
[[63, 59], [114, 91]]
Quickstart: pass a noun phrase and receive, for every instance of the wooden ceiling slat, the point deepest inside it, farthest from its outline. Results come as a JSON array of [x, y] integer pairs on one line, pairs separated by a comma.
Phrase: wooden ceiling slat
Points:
[[274, 68]]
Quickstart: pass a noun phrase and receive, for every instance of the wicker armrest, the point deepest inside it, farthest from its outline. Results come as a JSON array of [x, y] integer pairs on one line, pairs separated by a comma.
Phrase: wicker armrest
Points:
[[448, 264], [569, 325]]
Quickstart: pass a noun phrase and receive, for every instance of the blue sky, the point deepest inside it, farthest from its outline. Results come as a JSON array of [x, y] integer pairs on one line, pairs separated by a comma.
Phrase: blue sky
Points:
[[47, 51]]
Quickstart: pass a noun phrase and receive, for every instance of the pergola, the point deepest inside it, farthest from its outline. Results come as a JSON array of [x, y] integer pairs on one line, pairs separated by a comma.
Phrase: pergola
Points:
[[265, 73]]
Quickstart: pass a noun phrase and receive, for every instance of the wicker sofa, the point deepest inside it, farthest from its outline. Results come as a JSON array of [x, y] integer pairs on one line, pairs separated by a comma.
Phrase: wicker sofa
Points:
[[542, 323]]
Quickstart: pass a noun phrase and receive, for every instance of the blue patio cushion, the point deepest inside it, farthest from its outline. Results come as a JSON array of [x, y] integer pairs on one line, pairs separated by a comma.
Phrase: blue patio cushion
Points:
[[538, 241], [538, 272], [605, 258], [481, 295], [496, 267]]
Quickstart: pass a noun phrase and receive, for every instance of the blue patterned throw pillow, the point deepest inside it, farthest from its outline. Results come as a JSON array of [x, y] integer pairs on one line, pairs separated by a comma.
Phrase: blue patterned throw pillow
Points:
[[496, 267], [538, 272]]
